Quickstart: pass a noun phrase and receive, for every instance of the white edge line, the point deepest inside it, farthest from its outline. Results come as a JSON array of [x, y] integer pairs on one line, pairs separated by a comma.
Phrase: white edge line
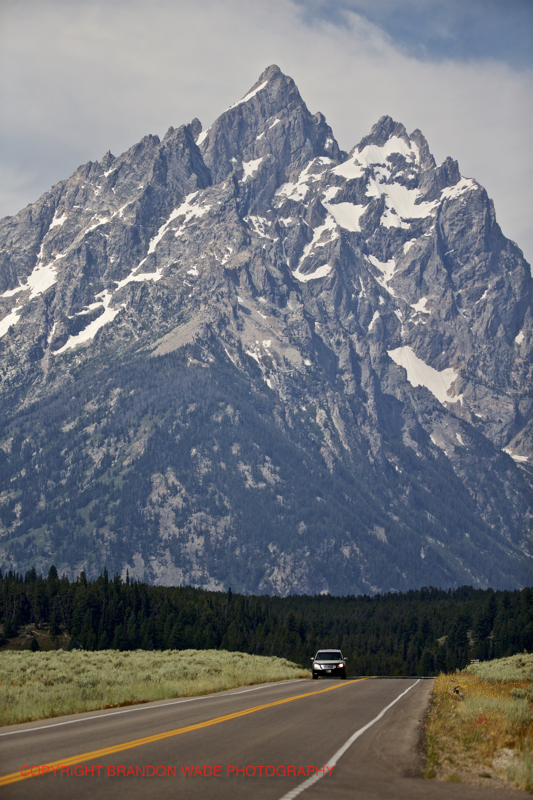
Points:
[[340, 752], [148, 707]]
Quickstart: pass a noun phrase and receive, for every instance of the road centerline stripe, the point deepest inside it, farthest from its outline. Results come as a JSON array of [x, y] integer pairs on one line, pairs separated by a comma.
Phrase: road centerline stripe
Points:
[[14, 777], [340, 752]]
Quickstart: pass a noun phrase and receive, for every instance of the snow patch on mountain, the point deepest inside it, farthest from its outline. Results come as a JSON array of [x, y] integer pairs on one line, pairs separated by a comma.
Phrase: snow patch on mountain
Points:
[[421, 374], [378, 154], [11, 319], [347, 215], [42, 278], [202, 136], [401, 203], [92, 329], [57, 221], [320, 272], [140, 277], [322, 235], [11, 292], [349, 169], [250, 167], [519, 459], [464, 185], [420, 306], [312, 172], [387, 269], [293, 191], [329, 194], [373, 320], [259, 225], [188, 210], [100, 221]]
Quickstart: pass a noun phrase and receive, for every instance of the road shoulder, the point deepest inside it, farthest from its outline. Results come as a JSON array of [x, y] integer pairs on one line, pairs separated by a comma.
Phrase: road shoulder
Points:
[[387, 762]]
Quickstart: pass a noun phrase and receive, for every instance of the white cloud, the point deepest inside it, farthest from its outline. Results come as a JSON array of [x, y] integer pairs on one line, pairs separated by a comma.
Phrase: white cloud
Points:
[[80, 78]]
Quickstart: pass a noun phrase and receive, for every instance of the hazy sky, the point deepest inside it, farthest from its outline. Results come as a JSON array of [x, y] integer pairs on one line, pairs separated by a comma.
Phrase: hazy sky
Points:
[[80, 77]]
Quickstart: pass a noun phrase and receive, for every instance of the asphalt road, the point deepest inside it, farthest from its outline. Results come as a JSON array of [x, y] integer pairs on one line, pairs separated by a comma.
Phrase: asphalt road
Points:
[[308, 739]]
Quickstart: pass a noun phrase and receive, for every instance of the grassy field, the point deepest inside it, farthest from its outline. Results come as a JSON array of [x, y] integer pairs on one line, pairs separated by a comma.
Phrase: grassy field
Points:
[[479, 728], [50, 684]]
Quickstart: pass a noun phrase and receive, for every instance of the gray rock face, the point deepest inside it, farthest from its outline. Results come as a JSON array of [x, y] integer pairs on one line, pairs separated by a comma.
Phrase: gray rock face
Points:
[[242, 356]]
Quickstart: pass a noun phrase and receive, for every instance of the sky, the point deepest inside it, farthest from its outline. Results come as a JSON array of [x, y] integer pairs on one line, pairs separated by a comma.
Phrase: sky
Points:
[[81, 77]]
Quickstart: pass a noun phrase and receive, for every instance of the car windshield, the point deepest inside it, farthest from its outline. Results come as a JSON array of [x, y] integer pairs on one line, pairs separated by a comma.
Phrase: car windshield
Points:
[[328, 655]]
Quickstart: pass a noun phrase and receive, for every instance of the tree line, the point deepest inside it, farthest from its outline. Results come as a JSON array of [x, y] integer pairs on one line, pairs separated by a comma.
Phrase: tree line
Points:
[[419, 632]]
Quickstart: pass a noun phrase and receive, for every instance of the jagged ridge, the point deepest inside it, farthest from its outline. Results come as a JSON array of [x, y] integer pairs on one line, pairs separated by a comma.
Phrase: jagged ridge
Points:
[[369, 299]]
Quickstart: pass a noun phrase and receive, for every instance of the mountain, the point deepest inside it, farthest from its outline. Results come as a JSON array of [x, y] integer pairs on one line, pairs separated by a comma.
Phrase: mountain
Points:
[[244, 357]]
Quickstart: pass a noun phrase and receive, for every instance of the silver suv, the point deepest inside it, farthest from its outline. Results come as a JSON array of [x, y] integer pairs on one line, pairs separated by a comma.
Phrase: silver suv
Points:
[[329, 663]]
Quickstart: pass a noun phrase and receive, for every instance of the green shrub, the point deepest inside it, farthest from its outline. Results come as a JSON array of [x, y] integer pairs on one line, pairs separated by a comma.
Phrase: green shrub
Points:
[[505, 670]]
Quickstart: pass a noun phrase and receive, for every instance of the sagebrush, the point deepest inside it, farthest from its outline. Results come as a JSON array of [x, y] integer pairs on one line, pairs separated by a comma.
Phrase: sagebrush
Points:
[[48, 684]]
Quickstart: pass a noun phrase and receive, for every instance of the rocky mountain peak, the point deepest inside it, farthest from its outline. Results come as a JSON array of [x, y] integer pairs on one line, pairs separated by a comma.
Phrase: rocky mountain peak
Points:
[[107, 159], [243, 356], [196, 128], [270, 125], [427, 162], [384, 129]]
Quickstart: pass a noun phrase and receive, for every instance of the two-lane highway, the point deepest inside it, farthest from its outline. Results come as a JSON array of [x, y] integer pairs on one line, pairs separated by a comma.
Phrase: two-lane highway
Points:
[[293, 739]]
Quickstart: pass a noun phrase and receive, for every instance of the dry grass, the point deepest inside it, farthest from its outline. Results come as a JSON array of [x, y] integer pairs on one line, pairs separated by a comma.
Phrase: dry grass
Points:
[[49, 684], [479, 728]]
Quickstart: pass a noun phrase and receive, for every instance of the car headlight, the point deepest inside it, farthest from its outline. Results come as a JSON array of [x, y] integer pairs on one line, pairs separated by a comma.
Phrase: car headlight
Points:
[[341, 664], [317, 666]]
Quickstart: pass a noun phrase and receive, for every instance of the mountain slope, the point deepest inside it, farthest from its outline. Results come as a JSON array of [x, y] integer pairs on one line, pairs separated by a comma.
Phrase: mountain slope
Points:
[[242, 356]]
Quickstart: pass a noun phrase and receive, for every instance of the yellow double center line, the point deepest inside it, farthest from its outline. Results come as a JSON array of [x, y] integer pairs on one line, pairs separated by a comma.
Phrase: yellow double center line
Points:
[[13, 777]]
